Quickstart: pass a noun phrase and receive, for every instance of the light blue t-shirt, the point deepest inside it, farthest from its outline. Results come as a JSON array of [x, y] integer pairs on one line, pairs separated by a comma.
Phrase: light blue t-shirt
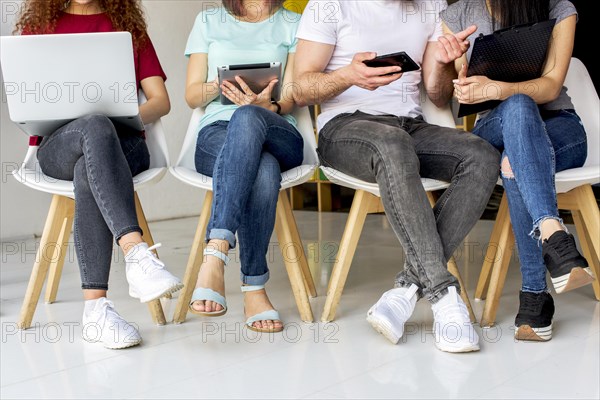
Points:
[[227, 40]]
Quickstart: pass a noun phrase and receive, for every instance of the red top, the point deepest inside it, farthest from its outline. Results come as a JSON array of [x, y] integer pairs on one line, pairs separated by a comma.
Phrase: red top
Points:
[[146, 60]]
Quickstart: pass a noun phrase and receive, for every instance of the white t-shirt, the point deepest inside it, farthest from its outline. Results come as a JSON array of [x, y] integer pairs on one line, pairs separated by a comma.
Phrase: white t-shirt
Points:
[[384, 27]]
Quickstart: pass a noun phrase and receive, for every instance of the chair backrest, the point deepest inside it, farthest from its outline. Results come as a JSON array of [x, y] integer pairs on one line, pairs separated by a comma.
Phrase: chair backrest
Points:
[[436, 115], [587, 105], [155, 140], [305, 127]]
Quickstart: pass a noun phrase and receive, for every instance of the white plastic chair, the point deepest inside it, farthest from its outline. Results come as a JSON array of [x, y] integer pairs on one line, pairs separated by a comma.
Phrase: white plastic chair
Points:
[[285, 226], [57, 230], [367, 200], [574, 193]]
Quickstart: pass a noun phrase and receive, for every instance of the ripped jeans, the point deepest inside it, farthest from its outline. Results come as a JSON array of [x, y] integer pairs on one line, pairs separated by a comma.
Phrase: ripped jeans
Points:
[[538, 143]]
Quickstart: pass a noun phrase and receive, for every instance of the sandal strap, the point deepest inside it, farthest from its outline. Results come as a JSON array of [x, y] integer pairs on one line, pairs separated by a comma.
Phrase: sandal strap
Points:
[[252, 288], [270, 315], [206, 294], [216, 253]]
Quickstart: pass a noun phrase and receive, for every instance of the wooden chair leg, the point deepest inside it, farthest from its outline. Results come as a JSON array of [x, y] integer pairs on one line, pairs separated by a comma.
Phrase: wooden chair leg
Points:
[[498, 277], [591, 216], [48, 251], [308, 279], [586, 246], [323, 195], [155, 306], [292, 256], [56, 266], [491, 253], [194, 262], [453, 269], [361, 205]]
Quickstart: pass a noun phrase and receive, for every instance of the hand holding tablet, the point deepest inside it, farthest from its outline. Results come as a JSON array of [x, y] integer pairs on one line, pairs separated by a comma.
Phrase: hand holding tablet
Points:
[[248, 79]]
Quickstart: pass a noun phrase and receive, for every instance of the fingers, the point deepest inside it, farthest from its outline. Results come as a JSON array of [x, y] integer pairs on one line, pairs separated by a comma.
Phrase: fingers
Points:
[[380, 71], [245, 88], [360, 57], [466, 33], [235, 95], [453, 47], [462, 74], [269, 89]]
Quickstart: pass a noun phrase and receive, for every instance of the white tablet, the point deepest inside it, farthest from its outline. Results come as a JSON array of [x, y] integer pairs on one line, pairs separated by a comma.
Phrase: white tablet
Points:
[[257, 76]]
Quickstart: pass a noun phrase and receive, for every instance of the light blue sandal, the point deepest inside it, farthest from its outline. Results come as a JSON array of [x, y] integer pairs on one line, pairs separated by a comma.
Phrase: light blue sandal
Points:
[[269, 315], [206, 294]]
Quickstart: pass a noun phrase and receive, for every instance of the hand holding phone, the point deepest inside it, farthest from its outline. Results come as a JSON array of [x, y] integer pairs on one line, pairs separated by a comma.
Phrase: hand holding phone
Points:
[[400, 59]]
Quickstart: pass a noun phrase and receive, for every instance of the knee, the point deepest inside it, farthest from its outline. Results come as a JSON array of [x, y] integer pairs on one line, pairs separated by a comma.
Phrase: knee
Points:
[[248, 115], [97, 127], [506, 169], [248, 123], [483, 159], [518, 104]]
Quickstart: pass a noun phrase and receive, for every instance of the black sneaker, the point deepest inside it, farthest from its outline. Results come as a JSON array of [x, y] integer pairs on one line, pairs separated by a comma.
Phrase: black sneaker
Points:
[[567, 267], [534, 320]]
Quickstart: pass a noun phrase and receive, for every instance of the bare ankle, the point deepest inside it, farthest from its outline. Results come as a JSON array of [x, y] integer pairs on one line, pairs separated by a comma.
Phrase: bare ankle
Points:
[[549, 227]]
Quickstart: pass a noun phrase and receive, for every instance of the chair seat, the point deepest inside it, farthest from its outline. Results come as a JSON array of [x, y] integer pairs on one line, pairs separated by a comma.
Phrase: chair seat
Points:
[[36, 179], [354, 183], [293, 177], [572, 178]]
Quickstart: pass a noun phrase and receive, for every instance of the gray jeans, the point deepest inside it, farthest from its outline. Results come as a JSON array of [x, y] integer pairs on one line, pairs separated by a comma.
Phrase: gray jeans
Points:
[[101, 163], [395, 152]]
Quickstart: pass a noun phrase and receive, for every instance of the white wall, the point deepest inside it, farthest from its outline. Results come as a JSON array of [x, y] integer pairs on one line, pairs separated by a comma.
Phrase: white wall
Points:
[[23, 210]]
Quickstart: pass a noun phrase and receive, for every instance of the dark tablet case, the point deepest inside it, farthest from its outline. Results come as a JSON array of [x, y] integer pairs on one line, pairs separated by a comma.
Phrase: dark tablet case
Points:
[[514, 54]]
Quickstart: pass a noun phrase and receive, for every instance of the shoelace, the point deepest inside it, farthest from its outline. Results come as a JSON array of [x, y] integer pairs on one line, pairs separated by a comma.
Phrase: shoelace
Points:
[[108, 308], [564, 247], [531, 304], [455, 312], [399, 302], [154, 263]]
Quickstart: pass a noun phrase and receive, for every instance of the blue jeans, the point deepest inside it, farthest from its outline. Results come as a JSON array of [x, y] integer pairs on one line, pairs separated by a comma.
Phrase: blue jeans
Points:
[[245, 158], [100, 158], [538, 144]]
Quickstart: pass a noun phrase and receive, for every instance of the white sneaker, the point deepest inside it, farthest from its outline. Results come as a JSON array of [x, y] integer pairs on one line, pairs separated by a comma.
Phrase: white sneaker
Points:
[[453, 329], [148, 279], [102, 324], [391, 312]]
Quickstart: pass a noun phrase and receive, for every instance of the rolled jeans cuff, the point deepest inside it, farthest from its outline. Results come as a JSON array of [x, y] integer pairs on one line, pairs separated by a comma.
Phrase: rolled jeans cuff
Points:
[[403, 283], [254, 280], [437, 296], [222, 234], [536, 232], [94, 286], [127, 230]]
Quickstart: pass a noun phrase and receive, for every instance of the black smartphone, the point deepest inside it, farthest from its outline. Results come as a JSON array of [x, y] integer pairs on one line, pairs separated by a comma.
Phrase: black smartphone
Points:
[[400, 59]]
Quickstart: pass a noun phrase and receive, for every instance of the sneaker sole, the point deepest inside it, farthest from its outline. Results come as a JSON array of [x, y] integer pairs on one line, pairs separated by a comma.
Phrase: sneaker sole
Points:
[[527, 333], [577, 278], [117, 346], [157, 295], [466, 349], [383, 327]]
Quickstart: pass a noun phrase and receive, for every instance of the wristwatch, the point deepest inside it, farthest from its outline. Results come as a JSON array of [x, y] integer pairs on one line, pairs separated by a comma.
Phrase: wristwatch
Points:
[[276, 104]]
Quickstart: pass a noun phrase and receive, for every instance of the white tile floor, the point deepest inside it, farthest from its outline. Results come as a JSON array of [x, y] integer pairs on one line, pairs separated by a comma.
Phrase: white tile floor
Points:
[[216, 358]]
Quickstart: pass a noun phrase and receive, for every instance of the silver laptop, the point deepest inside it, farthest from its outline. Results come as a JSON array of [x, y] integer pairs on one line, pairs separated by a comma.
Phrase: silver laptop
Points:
[[50, 80]]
